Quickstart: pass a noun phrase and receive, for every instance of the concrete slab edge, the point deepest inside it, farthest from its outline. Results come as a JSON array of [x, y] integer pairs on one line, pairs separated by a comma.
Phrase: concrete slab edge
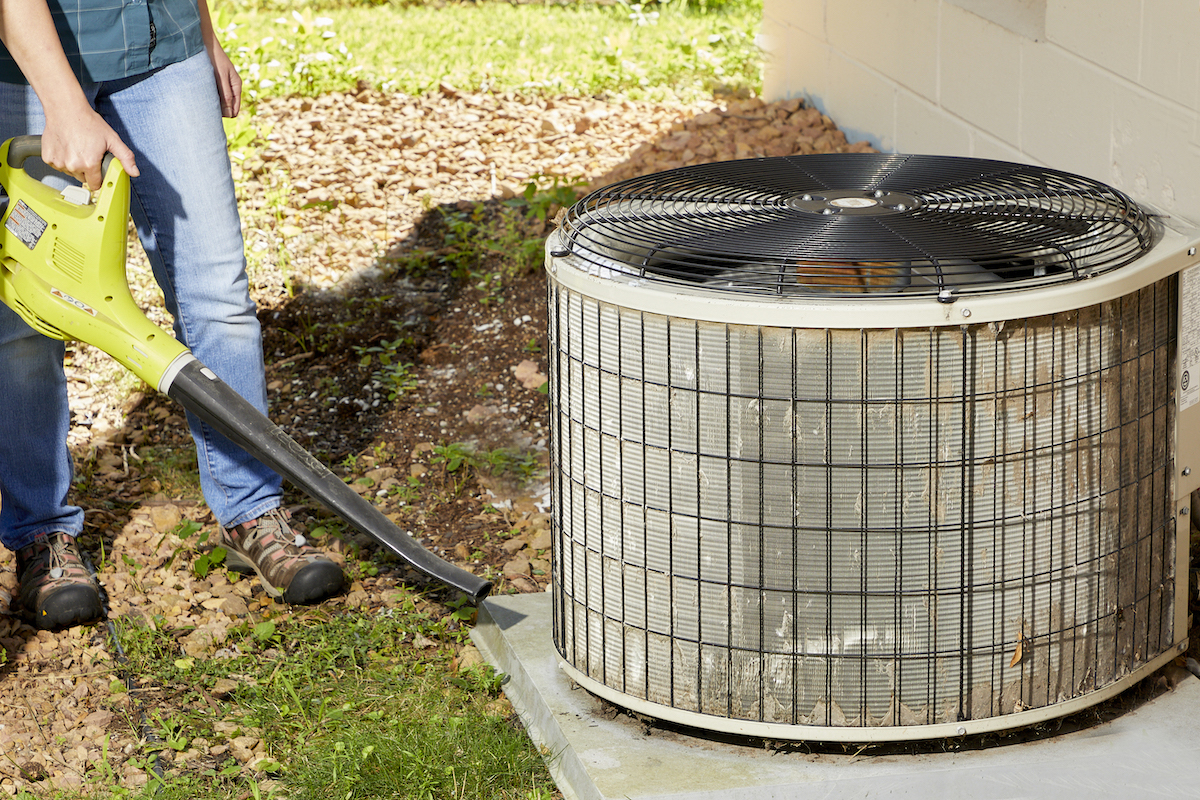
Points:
[[564, 764]]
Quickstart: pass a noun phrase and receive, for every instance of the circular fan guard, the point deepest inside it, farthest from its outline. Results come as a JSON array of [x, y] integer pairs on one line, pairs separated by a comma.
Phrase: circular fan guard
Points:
[[858, 224]]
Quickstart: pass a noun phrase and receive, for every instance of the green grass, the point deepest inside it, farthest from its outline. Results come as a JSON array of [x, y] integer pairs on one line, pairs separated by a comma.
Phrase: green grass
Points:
[[344, 707], [678, 51]]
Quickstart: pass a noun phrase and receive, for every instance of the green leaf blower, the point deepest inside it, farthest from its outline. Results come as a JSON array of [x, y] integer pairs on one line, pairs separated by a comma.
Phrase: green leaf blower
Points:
[[62, 268]]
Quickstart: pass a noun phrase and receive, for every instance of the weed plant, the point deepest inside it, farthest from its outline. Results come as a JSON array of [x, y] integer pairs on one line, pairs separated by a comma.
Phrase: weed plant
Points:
[[392, 373], [487, 250], [518, 465]]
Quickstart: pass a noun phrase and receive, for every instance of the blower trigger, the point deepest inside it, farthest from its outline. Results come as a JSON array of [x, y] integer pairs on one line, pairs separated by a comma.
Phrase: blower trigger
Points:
[[78, 195]]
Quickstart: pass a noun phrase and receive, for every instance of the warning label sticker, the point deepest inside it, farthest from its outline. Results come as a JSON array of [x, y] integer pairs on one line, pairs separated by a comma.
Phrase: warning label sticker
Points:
[[25, 224], [1189, 337]]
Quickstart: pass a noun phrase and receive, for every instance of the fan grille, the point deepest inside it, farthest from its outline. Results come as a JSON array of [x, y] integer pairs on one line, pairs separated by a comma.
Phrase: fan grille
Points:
[[858, 224]]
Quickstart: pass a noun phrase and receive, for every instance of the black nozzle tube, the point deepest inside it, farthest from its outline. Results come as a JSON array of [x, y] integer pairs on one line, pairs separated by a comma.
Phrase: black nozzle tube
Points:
[[200, 391]]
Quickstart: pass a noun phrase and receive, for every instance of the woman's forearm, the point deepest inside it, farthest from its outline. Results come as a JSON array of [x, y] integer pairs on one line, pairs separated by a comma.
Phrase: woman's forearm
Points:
[[28, 32], [76, 138]]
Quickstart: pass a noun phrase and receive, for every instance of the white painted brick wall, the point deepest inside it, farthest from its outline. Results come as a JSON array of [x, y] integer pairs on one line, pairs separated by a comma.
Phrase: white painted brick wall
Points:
[[1170, 54], [1104, 32], [802, 15], [909, 58], [1066, 110], [866, 97], [922, 127], [795, 52], [972, 50], [1105, 88]]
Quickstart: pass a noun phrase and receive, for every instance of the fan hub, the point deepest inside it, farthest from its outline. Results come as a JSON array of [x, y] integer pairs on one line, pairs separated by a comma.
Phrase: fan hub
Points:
[[853, 201]]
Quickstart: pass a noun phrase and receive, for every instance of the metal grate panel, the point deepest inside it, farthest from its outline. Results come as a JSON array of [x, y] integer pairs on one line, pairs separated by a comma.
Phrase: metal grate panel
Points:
[[863, 529]]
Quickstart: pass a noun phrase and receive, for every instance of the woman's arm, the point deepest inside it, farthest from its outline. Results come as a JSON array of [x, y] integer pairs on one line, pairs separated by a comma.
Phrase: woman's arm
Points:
[[229, 83], [76, 138]]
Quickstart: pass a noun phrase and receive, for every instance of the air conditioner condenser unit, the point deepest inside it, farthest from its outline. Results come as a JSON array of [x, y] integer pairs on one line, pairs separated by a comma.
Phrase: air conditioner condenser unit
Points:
[[865, 447]]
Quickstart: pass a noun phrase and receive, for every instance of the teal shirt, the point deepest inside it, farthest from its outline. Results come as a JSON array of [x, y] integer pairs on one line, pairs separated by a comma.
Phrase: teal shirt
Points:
[[111, 39]]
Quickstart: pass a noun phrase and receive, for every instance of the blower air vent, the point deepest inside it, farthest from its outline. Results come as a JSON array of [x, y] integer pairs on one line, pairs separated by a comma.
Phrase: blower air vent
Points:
[[69, 260], [36, 322], [798, 494]]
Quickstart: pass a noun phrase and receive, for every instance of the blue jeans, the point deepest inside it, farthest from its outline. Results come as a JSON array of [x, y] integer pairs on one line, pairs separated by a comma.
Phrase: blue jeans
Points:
[[186, 215]]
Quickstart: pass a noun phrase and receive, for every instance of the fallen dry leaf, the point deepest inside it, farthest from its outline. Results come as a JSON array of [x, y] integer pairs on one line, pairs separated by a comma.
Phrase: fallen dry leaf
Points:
[[529, 376]]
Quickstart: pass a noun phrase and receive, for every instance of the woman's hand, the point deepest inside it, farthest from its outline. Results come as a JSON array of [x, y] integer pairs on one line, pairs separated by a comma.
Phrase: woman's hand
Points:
[[76, 140], [229, 83]]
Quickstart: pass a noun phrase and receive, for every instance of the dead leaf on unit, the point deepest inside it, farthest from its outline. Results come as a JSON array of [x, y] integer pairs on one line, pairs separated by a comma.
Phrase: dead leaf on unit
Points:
[[1018, 653]]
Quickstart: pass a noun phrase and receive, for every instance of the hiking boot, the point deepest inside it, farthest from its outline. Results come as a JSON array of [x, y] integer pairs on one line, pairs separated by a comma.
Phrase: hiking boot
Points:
[[287, 566], [56, 589]]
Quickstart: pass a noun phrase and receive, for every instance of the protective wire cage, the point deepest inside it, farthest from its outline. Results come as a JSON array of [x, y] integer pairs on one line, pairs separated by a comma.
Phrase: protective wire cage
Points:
[[862, 528], [860, 533], [871, 224]]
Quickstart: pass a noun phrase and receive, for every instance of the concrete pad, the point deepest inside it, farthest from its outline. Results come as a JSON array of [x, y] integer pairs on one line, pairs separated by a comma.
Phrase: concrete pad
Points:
[[1153, 751]]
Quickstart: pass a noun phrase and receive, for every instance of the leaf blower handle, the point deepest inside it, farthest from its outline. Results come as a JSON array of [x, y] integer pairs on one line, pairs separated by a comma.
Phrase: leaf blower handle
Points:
[[23, 147]]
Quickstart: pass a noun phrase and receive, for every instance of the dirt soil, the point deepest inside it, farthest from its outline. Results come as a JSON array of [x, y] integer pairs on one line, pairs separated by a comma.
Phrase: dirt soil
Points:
[[347, 214]]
